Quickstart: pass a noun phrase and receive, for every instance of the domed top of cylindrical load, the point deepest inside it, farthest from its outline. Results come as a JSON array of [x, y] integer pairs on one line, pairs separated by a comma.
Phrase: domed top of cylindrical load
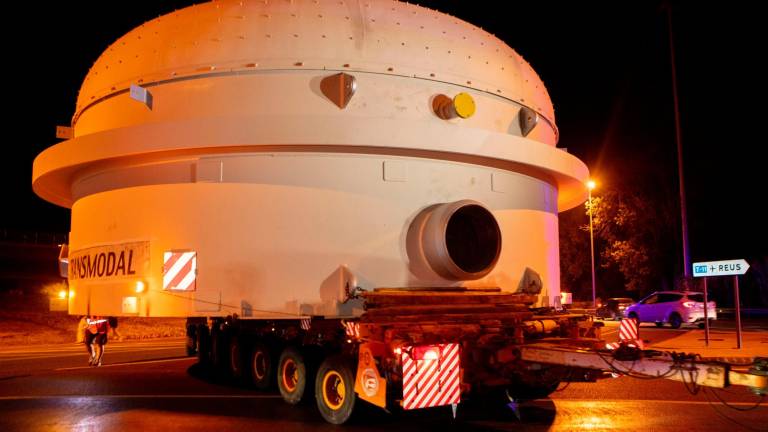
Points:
[[235, 77], [376, 36]]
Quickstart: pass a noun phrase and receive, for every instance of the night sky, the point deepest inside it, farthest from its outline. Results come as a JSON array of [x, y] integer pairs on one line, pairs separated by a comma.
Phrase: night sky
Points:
[[605, 64]]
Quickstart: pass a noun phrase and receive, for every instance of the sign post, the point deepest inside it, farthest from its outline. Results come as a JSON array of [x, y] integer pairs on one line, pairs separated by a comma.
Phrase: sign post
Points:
[[722, 268], [738, 310], [706, 315]]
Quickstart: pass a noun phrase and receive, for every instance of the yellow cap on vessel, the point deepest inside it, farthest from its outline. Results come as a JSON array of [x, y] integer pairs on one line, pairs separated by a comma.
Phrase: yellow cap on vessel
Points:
[[464, 105]]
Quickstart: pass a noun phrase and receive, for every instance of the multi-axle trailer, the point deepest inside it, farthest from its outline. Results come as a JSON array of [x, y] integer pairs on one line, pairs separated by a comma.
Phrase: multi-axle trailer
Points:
[[423, 348]]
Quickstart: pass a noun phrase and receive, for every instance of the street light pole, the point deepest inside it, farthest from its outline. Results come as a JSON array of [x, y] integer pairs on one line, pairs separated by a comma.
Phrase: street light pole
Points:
[[678, 139], [590, 186]]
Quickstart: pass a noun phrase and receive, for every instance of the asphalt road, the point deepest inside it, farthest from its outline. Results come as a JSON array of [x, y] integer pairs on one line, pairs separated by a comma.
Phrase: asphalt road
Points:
[[25, 360], [149, 386]]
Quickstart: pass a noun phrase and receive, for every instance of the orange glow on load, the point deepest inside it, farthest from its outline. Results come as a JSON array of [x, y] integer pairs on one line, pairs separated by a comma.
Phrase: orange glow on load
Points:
[[187, 161]]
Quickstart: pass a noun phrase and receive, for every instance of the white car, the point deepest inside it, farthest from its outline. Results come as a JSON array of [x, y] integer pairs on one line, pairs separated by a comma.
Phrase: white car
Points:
[[673, 307]]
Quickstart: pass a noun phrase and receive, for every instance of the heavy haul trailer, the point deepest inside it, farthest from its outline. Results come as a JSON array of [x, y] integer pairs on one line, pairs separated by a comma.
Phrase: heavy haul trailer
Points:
[[268, 169], [422, 348], [411, 348]]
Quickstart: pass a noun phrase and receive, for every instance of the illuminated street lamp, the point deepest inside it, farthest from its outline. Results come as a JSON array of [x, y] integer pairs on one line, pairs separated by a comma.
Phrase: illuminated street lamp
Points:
[[591, 185]]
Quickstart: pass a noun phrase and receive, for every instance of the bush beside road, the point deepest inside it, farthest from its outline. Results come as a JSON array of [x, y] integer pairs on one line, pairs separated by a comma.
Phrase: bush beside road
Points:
[[36, 328]]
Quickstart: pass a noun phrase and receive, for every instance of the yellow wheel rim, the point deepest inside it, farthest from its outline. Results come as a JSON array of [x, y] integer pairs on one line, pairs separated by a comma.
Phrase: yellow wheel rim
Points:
[[259, 365], [290, 375], [333, 390], [234, 355]]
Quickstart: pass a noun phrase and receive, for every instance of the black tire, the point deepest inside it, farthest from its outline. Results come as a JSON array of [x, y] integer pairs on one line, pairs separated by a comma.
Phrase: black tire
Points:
[[261, 366], [219, 351], [191, 340], [659, 323], [203, 346], [536, 384], [525, 391], [235, 357], [634, 315], [675, 320], [335, 390], [292, 375]]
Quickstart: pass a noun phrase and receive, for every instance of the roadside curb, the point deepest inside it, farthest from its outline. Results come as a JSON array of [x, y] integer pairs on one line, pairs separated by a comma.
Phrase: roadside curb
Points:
[[736, 361]]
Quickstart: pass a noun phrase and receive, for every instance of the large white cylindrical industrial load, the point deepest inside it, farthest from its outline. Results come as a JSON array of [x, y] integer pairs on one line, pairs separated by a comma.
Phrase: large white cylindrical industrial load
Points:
[[271, 158]]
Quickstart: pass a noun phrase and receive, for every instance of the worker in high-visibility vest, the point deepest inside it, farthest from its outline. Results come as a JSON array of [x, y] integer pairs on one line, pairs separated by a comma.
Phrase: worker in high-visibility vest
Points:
[[96, 338], [90, 333], [82, 327]]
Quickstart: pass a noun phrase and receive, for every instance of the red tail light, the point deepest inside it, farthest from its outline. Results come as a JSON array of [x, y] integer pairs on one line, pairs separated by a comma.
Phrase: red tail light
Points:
[[427, 352]]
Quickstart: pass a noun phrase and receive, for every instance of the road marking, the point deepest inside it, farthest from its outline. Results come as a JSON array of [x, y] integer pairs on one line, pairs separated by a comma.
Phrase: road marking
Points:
[[145, 396], [175, 359], [579, 401], [78, 346], [81, 352]]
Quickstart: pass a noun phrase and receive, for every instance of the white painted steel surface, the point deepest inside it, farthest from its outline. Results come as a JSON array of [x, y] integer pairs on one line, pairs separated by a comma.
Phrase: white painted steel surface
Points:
[[284, 197]]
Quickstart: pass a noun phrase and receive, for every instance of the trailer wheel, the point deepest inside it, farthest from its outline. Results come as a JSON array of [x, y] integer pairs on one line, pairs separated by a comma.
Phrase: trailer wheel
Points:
[[218, 350], [292, 375], [261, 366], [527, 391], [235, 357], [536, 384], [335, 390], [203, 345], [191, 340]]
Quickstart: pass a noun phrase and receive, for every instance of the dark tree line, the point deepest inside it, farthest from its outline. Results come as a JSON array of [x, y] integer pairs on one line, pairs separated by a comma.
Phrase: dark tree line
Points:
[[635, 245], [637, 250]]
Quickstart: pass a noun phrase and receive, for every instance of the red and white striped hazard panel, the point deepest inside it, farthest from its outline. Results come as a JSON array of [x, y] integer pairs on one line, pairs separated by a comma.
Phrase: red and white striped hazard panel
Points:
[[628, 329], [430, 376], [629, 334], [179, 270], [351, 328]]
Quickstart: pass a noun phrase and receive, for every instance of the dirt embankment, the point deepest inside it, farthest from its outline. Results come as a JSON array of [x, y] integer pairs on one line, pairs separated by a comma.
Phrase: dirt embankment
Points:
[[34, 328]]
